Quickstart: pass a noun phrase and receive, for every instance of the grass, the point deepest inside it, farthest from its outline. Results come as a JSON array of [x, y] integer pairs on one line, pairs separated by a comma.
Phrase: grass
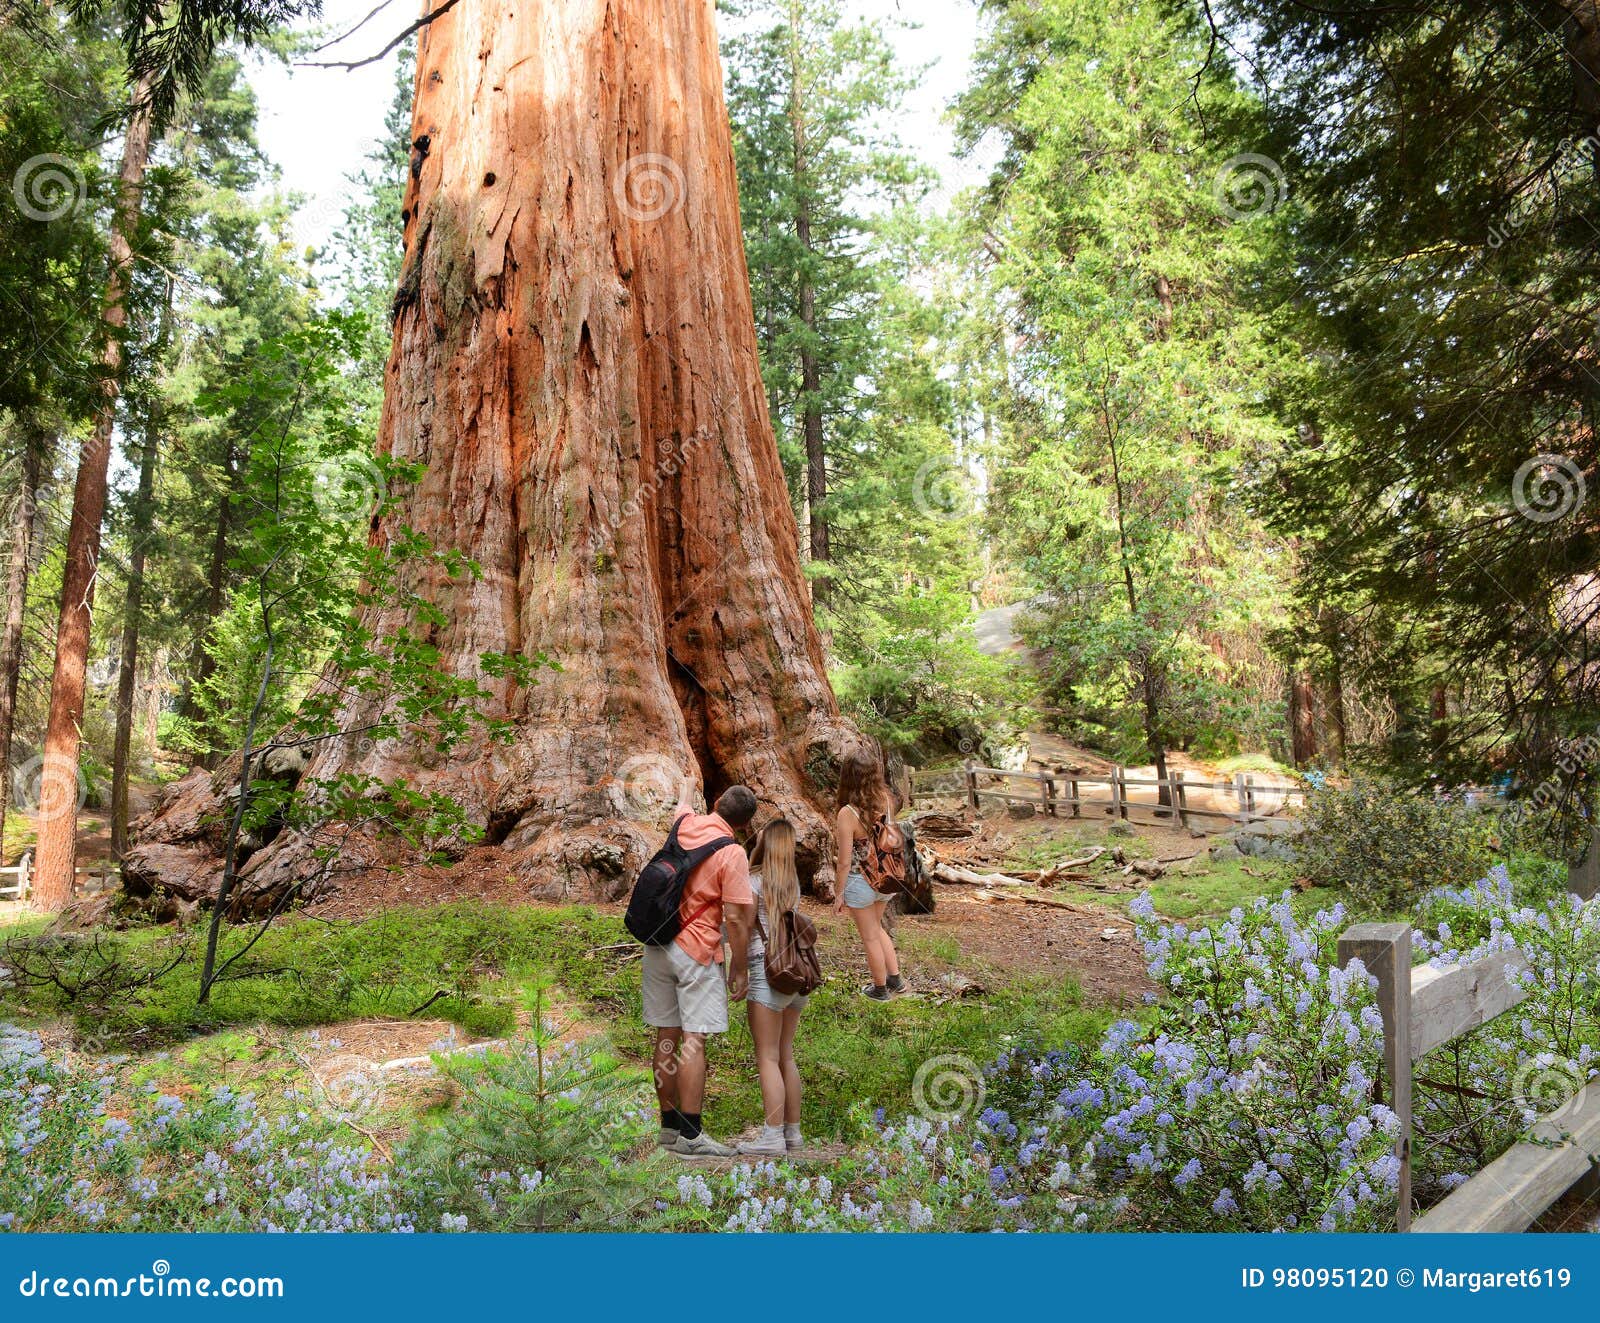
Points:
[[482, 958], [466, 961], [17, 835], [1216, 887]]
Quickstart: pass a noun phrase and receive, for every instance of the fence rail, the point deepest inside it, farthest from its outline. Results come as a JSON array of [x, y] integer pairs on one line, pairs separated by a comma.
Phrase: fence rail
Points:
[[16, 880], [1424, 1008], [1058, 791], [21, 875]]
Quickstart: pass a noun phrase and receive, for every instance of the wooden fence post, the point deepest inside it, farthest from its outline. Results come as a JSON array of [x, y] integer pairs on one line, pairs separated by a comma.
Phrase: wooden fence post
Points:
[[23, 878], [1239, 794], [1180, 804], [1074, 794], [1047, 793], [1385, 950], [1118, 808], [972, 787]]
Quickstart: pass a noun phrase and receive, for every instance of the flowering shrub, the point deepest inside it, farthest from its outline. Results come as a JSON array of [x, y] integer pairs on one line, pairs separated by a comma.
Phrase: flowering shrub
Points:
[[915, 1175], [80, 1155], [1480, 1092], [1243, 1105]]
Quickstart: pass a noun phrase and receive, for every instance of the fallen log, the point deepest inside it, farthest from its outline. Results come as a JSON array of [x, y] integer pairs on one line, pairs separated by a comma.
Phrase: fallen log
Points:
[[951, 875], [1067, 865], [946, 826]]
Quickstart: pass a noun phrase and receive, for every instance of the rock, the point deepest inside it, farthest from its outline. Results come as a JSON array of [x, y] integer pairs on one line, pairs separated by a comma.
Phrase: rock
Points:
[[956, 984], [1021, 811], [1148, 868], [1225, 849]]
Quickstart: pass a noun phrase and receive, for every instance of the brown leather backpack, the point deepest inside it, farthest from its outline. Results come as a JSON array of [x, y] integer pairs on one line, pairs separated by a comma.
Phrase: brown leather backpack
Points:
[[791, 959], [885, 864]]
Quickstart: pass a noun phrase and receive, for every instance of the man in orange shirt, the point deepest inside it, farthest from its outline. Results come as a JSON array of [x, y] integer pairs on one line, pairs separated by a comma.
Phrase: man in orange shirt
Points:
[[685, 988]]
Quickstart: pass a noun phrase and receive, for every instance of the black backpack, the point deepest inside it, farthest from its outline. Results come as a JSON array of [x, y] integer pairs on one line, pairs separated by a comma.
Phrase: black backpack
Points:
[[917, 895], [652, 915]]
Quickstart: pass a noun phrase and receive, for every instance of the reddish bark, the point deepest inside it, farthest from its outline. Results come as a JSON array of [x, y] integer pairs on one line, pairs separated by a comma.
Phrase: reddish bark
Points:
[[58, 791], [35, 442], [1302, 717], [575, 363]]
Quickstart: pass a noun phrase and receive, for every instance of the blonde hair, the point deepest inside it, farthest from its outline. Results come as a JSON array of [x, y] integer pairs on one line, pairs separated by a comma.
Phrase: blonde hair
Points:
[[774, 855]]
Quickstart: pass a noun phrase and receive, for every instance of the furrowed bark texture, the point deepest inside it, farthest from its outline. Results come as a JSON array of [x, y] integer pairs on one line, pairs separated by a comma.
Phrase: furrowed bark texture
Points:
[[575, 363]]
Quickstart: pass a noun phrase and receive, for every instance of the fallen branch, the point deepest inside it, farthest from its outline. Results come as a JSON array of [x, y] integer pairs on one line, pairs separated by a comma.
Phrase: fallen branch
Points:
[[1023, 898], [613, 946], [442, 992], [949, 873]]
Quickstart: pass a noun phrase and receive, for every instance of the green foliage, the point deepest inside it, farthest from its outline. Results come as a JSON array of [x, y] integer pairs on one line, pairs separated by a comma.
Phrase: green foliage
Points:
[[1140, 375], [1444, 240], [858, 356], [1386, 845]]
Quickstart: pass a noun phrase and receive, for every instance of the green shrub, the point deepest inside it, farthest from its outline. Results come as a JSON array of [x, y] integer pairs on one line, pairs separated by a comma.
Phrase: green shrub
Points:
[[547, 1136], [1385, 845]]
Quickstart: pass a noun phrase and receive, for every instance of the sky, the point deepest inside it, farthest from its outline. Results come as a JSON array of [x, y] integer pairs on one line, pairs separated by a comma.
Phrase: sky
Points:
[[318, 125]]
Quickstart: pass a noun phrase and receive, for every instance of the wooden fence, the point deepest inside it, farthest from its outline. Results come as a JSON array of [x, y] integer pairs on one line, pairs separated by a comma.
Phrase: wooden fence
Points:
[[1058, 791], [1423, 1009], [20, 875], [16, 880]]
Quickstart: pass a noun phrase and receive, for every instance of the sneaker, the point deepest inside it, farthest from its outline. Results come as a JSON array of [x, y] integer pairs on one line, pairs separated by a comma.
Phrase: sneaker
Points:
[[897, 985], [701, 1146], [792, 1140], [669, 1137], [766, 1146], [872, 992]]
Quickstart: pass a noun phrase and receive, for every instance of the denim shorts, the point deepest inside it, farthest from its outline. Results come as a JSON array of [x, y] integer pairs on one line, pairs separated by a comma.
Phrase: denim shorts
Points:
[[859, 896], [761, 991]]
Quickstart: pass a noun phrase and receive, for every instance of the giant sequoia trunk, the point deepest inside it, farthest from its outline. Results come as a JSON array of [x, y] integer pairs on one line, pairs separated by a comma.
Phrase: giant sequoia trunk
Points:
[[575, 363]]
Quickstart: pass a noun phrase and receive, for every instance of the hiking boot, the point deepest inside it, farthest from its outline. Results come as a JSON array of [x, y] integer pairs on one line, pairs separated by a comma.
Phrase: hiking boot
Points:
[[701, 1146], [876, 992]]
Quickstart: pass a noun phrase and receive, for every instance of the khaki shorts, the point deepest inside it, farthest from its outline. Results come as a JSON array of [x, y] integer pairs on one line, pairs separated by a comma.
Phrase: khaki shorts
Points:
[[681, 993]]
